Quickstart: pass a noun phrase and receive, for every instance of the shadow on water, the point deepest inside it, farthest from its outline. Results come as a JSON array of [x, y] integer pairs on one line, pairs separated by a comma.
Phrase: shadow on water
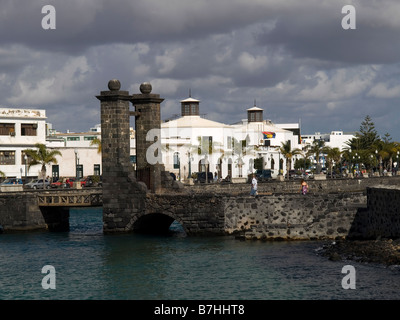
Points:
[[90, 221]]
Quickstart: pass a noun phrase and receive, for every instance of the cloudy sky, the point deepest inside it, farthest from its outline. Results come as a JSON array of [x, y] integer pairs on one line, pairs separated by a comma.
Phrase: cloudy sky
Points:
[[293, 57]]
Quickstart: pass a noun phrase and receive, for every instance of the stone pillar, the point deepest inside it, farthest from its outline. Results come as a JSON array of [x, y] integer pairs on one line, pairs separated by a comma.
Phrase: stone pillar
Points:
[[123, 196], [147, 117], [114, 128]]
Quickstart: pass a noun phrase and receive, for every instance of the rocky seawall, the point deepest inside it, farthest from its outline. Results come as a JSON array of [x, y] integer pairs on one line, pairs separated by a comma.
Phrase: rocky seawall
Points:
[[383, 251]]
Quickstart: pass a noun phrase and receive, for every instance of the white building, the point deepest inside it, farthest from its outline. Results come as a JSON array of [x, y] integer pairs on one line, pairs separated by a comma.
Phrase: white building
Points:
[[334, 139], [190, 143], [20, 129], [80, 158]]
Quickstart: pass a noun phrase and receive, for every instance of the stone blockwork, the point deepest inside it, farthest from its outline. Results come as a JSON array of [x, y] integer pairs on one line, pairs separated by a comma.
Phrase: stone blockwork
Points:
[[381, 217], [148, 124], [293, 186], [123, 196], [293, 216], [198, 215], [19, 212]]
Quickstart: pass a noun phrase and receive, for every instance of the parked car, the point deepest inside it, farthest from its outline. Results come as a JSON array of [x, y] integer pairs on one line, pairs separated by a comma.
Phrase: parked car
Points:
[[263, 175], [38, 184], [293, 174], [91, 181], [201, 177], [58, 184], [69, 182], [12, 181]]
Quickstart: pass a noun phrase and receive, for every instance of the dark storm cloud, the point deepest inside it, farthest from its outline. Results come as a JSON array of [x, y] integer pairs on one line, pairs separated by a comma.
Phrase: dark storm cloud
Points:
[[318, 33], [292, 56], [81, 24]]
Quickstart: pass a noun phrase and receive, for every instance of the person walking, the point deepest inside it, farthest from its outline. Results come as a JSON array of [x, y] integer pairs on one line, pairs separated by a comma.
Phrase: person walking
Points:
[[253, 191], [304, 187]]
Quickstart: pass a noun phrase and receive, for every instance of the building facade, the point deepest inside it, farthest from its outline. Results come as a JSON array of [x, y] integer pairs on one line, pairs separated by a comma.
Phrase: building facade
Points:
[[80, 157], [334, 139], [192, 144], [20, 129]]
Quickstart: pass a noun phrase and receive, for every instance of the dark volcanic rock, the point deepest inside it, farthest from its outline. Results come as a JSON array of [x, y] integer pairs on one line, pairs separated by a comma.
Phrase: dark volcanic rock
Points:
[[385, 252]]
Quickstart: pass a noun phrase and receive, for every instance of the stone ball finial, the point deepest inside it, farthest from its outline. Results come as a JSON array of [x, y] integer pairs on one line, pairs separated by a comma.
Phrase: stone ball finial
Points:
[[114, 85], [145, 88]]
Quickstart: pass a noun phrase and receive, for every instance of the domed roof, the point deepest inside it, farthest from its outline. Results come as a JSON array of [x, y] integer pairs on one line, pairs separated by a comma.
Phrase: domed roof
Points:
[[190, 99]]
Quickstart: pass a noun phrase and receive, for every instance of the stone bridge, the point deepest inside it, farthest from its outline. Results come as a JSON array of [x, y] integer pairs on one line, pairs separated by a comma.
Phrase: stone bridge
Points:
[[148, 200], [374, 212]]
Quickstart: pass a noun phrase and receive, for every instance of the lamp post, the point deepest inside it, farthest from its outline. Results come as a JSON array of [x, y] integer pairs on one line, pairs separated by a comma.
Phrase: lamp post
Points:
[[357, 165], [350, 174], [177, 163], [190, 165], [380, 169], [26, 160], [372, 157], [397, 167], [76, 164], [279, 153]]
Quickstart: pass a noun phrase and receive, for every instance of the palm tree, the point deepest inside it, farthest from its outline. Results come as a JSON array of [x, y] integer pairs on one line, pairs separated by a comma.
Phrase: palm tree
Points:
[[43, 157], [288, 153], [316, 149], [206, 149], [333, 155], [96, 141], [389, 150], [240, 149]]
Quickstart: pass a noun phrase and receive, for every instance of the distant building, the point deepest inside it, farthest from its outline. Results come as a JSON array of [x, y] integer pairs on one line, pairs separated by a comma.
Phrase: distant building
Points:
[[80, 158], [20, 129], [190, 143], [193, 144], [334, 139]]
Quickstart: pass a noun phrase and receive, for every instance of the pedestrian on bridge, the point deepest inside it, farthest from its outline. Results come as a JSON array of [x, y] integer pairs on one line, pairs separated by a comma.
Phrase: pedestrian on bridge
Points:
[[253, 191], [304, 187]]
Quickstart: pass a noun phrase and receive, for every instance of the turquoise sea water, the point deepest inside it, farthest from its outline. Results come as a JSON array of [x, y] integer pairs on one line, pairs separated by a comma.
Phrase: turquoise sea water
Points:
[[90, 265]]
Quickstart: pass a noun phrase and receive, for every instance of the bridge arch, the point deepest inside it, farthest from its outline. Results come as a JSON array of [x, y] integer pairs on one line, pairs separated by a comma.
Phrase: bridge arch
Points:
[[155, 223]]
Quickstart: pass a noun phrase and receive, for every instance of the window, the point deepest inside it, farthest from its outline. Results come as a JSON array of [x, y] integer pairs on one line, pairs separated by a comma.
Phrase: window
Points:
[[96, 170], [205, 145], [176, 160], [73, 138], [79, 171], [28, 129], [89, 138], [7, 157], [55, 172], [229, 142], [7, 129]]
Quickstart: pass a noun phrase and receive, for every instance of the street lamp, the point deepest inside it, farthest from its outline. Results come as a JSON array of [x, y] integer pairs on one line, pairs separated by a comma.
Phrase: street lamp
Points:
[[372, 157], [76, 164], [26, 160], [177, 163], [357, 164], [190, 165], [380, 169]]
